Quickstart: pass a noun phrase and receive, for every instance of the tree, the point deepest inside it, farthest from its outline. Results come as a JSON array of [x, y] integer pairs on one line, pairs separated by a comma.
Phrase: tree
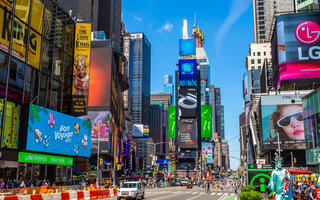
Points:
[[249, 193]]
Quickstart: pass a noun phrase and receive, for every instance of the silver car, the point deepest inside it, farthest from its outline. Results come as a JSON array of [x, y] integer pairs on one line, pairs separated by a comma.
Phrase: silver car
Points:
[[131, 190]]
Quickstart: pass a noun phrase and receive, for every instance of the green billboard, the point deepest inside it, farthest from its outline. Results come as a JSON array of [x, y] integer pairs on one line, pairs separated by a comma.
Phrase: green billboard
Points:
[[206, 121], [44, 159], [172, 122]]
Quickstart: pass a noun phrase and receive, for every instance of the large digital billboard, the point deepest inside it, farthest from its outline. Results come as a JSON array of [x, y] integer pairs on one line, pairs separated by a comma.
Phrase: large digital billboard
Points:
[[81, 66], [187, 47], [207, 151], [54, 132], [296, 48], [282, 115], [188, 133], [172, 122], [187, 102], [100, 78], [247, 86], [206, 121], [188, 72], [186, 166], [101, 124]]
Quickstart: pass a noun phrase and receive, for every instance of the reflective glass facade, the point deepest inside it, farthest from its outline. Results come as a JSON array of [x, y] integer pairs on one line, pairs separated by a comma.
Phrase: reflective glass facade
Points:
[[35, 59], [311, 115]]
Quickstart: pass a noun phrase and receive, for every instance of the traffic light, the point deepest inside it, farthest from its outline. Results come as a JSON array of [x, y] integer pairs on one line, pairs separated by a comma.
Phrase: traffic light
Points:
[[101, 161]]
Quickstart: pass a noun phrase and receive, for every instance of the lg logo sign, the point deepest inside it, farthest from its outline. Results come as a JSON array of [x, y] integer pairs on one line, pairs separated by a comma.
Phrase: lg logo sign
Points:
[[308, 33]]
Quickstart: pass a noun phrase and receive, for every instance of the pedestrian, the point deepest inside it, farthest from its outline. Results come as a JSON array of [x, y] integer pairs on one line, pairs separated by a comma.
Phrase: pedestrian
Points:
[[317, 192], [311, 195], [208, 187]]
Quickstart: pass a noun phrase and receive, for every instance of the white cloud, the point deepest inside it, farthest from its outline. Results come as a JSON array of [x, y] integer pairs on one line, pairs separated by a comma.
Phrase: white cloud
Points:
[[167, 27], [237, 10], [138, 18]]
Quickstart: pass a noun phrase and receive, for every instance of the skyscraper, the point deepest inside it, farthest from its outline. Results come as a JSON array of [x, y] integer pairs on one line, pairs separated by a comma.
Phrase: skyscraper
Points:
[[110, 21], [140, 73], [79, 10], [156, 126], [168, 86], [203, 65], [263, 11]]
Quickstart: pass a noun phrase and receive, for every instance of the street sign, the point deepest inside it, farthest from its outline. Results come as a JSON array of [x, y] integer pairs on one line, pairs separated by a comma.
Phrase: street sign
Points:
[[259, 176]]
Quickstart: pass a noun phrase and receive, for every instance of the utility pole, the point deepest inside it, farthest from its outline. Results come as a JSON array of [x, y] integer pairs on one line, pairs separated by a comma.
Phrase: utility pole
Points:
[[98, 155], [154, 159], [279, 149], [291, 159]]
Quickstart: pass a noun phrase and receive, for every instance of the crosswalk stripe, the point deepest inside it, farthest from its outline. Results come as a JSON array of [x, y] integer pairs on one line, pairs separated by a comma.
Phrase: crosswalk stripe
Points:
[[194, 192], [213, 193], [232, 194], [219, 193]]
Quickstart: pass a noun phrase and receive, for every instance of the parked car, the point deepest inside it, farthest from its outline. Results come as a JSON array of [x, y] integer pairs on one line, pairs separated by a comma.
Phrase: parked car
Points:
[[131, 190]]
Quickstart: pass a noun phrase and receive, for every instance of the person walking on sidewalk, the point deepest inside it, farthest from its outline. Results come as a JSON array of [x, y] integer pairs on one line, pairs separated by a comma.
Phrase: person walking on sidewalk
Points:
[[208, 187]]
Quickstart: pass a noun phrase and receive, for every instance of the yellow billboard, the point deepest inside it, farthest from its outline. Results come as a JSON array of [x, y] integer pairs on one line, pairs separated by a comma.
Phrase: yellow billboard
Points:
[[19, 36], [81, 64]]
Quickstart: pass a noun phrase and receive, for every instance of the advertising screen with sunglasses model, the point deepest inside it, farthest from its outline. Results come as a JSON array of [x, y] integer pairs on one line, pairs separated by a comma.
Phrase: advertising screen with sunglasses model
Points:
[[282, 114]]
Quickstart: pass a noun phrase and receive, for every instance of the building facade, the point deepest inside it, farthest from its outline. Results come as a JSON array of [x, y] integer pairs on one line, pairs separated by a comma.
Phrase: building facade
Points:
[[307, 5], [164, 98], [257, 53], [156, 127], [140, 74], [82, 11], [263, 13]]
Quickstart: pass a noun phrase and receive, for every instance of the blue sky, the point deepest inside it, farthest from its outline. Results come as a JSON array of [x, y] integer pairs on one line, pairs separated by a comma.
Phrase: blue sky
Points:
[[228, 30]]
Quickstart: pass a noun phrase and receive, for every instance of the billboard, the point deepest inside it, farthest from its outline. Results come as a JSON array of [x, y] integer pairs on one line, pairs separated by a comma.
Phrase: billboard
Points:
[[282, 115], [186, 165], [146, 130], [20, 36], [188, 133], [100, 78], [80, 85], [172, 122], [10, 135], [188, 72], [259, 177], [25, 157], [296, 48], [54, 132], [187, 47], [206, 121], [137, 130], [187, 102], [247, 86], [207, 151], [101, 123]]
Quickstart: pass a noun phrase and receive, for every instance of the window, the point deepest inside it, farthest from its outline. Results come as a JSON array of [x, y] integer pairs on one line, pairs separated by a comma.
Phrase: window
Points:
[[264, 53], [258, 54], [261, 23], [254, 53], [261, 27], [259, 61], [259, 67], [252, 61]]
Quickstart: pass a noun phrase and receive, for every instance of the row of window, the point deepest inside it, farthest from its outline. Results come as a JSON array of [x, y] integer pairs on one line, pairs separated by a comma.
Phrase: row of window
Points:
[[258, 61], [259, 53]]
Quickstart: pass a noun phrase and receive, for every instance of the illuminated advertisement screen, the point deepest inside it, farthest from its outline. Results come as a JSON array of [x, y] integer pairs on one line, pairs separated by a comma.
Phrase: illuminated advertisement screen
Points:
[[187, 102], [188, 133], [259, 176], [206, 121], [186, 165], [100, 78], [188, 72], [187, 47], [296, 47], [54, 132], [247, 86], [101, 122], [172, 122], [207, 151], [282, 115]]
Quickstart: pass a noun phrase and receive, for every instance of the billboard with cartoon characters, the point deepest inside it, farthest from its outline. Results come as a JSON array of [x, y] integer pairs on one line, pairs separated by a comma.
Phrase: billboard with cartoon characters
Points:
[[55, 132]]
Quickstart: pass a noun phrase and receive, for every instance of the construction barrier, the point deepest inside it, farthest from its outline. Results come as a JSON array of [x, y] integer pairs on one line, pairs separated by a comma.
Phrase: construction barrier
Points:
[[115, 192]]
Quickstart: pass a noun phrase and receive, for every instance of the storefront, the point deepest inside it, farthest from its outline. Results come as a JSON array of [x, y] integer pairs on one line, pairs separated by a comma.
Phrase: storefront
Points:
[[44, 167]]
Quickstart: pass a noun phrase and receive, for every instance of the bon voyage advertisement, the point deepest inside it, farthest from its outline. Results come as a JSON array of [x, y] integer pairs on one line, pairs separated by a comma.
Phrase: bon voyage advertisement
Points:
[[54, 132]]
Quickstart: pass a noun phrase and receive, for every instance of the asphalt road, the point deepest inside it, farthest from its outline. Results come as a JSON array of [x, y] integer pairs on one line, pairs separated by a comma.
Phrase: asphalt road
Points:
[[181, 193]]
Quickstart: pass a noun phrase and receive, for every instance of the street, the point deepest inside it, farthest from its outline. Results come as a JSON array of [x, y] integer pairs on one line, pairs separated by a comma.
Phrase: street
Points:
[[181, 193]]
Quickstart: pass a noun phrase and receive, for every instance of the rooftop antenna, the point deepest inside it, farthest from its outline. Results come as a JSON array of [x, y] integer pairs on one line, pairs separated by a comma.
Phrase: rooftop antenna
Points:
[[195, 17]]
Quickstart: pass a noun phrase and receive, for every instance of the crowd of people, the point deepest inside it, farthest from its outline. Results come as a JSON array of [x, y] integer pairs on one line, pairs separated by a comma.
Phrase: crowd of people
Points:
[[305, 191], [220, 185]]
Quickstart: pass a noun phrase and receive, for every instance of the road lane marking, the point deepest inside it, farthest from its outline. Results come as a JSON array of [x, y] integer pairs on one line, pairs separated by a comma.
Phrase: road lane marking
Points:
[[213, 193], [219, 194], [195, 197], [223, 196], [167, 196], [194, 192]]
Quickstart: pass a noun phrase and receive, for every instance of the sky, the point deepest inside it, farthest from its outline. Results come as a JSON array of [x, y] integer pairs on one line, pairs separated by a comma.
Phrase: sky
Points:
[[228, 30]]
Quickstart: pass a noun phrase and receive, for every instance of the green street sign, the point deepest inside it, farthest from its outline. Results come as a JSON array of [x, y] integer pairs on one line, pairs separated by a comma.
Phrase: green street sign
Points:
[[44, 159]]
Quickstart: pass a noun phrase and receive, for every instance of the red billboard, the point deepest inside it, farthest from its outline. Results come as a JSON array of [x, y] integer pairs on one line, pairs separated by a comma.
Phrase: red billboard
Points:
[[296, 49]]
